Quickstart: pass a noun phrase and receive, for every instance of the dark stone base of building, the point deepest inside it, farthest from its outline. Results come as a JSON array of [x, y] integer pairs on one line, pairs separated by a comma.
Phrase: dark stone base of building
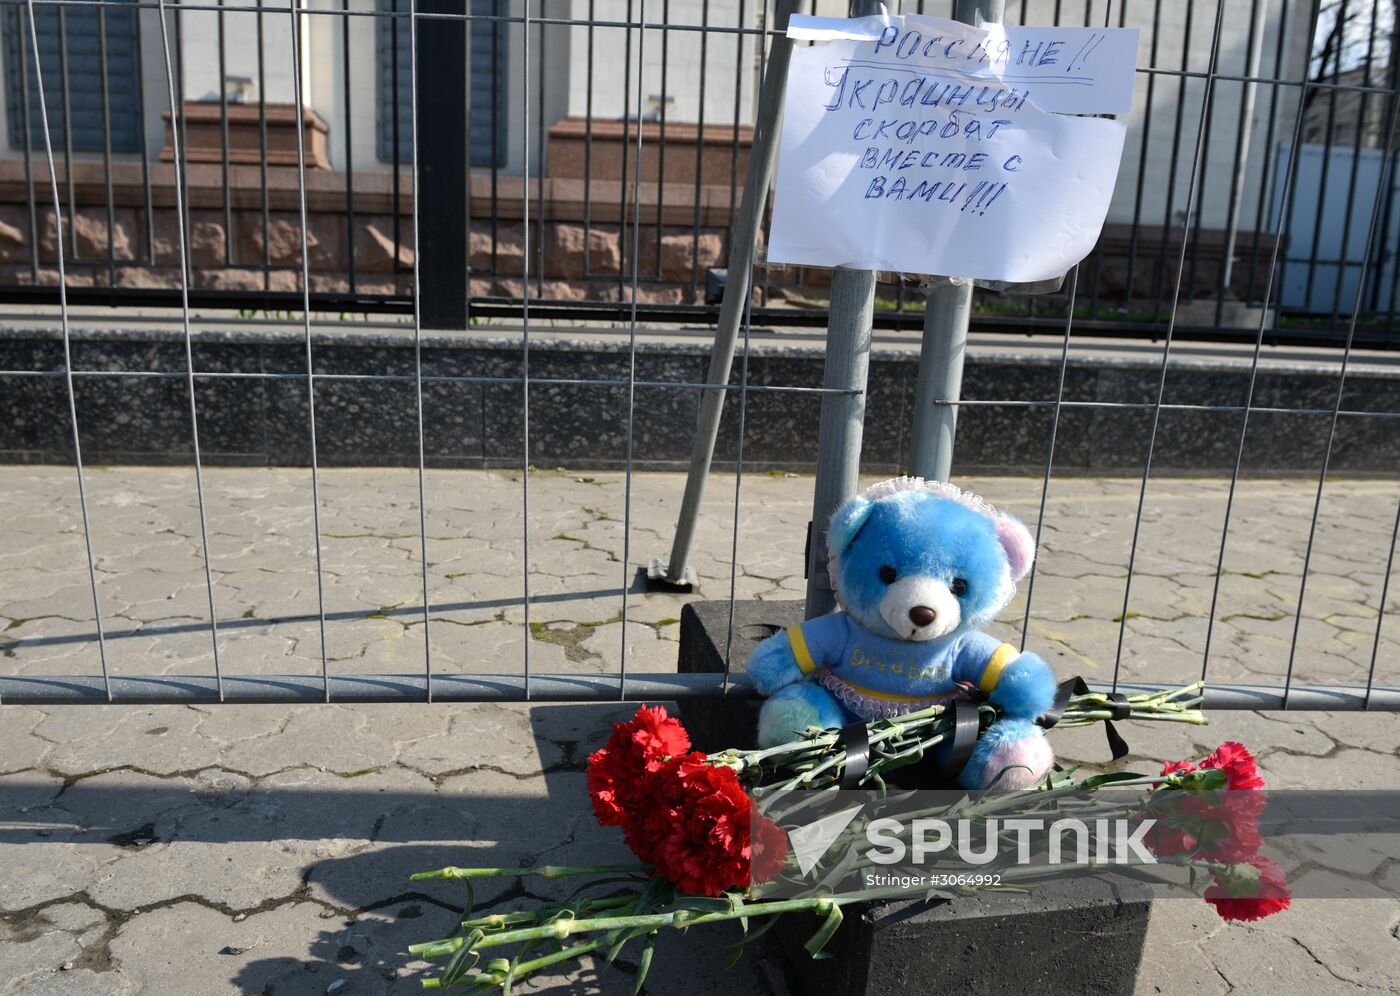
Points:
[[1073, 936], [472, 406]]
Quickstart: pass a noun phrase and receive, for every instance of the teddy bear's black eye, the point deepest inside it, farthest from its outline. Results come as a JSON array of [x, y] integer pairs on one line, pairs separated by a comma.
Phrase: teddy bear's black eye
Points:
[[888, 574], [958, 587]]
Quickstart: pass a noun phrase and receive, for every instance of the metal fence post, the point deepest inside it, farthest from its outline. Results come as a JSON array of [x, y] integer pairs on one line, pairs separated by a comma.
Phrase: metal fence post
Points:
[[946, 315], [842, 420], [763, 158], [442, 171], [849, 325], [1232, 225]]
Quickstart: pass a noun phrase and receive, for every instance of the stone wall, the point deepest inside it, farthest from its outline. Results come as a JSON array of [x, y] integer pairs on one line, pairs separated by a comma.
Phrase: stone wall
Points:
[[245, 236], [581, 232], [475, 420]]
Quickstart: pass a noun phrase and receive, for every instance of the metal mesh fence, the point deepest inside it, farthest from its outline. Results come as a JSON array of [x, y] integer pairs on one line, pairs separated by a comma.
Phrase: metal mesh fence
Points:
[[607, 141], [1288, 75]]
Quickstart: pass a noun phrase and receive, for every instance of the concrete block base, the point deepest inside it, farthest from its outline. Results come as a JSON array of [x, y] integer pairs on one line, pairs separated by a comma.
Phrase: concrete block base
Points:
[[1072, 937], [1233, 314]]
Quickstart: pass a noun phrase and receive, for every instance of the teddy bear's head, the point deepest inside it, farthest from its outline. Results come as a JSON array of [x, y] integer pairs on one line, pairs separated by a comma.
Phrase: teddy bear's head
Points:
[[917, 560]]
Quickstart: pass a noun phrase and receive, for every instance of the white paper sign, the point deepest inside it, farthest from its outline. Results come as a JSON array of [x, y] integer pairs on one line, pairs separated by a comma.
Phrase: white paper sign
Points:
[[920, 145], [1070, 70]]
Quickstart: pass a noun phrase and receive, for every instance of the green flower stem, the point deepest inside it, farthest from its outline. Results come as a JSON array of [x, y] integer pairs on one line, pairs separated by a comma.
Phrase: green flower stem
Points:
[[678, 918], [683, 917], [542, 871], [563, 927], [1192, 716], [496, 921], [525, 968], [811, 762]]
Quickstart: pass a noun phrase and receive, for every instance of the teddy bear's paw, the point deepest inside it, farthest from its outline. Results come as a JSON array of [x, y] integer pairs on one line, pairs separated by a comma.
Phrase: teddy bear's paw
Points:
[[772, 665], [786, 715], [1012, 754], [781, 720], [1026, 688]]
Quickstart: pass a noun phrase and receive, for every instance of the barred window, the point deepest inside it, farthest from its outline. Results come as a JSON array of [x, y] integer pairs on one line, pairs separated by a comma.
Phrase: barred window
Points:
[[80, 46], [488, 42]]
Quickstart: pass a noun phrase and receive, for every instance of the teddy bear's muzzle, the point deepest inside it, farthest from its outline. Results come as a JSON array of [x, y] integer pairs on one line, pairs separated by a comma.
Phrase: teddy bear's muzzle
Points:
[[919, 607]]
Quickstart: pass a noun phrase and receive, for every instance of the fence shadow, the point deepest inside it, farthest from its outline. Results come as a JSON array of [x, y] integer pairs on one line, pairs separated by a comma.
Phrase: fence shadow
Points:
[[377, 837], [250, 622]]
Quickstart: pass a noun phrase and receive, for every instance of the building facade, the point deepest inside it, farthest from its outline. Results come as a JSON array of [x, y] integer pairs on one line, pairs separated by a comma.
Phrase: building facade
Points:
[[570, 107]]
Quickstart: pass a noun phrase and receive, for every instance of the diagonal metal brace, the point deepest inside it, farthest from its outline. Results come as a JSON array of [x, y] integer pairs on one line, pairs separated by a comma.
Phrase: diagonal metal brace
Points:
[[676, 573]]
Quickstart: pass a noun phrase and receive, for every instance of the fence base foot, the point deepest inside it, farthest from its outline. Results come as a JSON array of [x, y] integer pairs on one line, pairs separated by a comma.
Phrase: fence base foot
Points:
[[659, 577]]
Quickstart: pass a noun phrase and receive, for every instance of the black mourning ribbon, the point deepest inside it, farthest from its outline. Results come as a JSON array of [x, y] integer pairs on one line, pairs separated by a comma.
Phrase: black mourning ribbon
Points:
[[1118, 702], [857, 740], [950, 758], [966, 725], [953, 755]]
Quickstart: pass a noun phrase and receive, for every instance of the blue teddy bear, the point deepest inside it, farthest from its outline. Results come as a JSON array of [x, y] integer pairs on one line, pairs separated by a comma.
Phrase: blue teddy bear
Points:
[[917, 567]]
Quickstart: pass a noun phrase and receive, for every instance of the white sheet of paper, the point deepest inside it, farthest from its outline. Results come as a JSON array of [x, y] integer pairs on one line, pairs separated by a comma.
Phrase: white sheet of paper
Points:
[[1066, 70], [890, 164]]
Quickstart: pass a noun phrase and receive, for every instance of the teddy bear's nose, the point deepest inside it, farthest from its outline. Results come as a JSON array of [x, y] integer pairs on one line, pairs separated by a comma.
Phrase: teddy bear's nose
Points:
[[922, 615]]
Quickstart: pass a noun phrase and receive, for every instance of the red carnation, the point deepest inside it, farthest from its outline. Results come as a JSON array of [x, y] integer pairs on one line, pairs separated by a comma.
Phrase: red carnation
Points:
[[650, 818], [1166, 839], [619, 772], [1216, 825], [1228, 829], [768, 848], [1250, 891], [699, 830], [1241, 771]]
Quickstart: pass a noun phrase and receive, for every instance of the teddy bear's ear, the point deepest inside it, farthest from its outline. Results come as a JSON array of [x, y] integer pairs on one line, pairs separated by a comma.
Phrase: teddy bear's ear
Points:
[[1017, 542], [845, 523]]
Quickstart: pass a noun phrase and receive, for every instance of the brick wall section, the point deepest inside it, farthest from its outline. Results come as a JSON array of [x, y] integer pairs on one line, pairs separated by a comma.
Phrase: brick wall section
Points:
[[581, 233], [579, 253]]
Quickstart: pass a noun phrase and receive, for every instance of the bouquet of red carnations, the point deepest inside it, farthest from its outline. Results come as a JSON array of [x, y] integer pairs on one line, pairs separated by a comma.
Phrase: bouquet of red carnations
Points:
[[706, 850]]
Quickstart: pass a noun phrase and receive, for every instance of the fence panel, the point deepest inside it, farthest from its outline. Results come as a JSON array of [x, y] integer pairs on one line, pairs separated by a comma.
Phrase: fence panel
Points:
[[618, 133]]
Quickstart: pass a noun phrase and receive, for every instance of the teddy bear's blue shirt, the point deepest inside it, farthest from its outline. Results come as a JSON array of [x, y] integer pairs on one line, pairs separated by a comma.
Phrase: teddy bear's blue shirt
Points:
[[920, 669]]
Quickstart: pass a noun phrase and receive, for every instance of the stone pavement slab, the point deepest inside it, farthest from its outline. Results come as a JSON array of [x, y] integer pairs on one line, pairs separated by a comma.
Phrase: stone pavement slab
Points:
[[228, 878], [1084, 614], [266, 849]]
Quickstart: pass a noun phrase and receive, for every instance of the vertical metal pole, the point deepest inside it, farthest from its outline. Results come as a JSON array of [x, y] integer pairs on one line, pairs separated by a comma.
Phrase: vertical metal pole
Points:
[[940, 377], [442, 150], [945, 335], [414, 35], [298, 105], [763, 158], [47, 132], [1256, 51], [843, 414], [842, 420]]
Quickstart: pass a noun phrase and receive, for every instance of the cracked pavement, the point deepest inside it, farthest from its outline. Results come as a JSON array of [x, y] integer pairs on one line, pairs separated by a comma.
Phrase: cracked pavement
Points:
[[266, 849]]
